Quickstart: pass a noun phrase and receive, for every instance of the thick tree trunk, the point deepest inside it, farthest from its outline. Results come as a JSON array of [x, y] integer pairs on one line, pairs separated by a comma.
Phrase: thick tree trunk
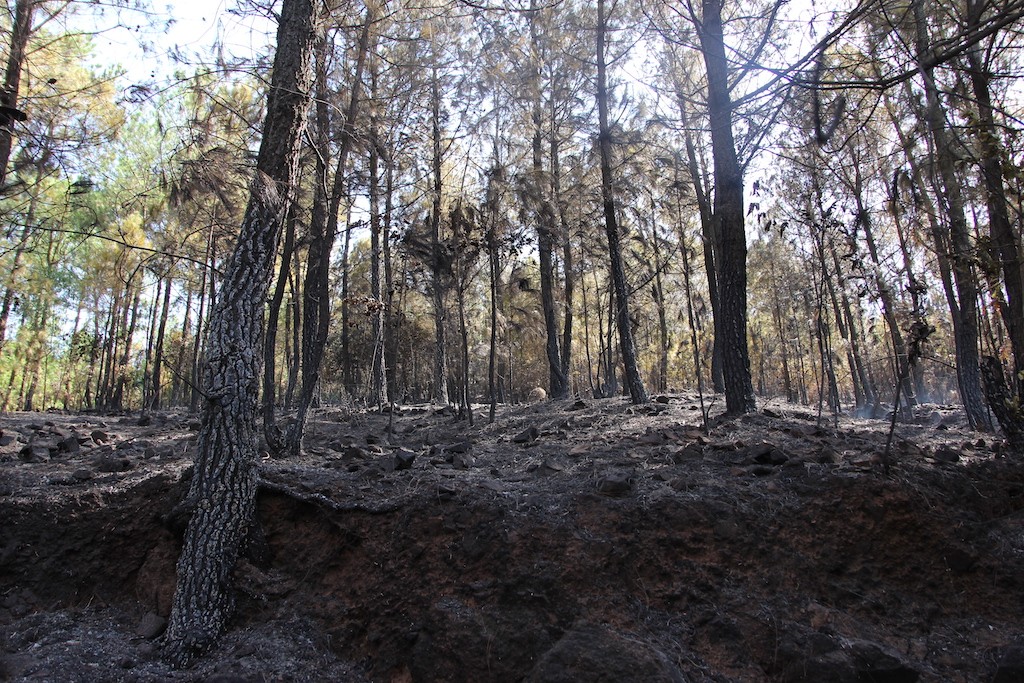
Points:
[[223, 489], [731, 245], [634, 382]]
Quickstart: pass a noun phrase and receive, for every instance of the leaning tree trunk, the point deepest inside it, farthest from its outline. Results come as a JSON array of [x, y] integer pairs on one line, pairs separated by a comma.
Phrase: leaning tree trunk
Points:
[[223, 490]]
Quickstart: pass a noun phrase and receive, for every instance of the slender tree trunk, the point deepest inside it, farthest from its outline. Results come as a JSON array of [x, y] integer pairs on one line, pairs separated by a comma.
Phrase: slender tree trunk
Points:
[[126, 353], [966, 332], [21, 31], [1005, 244], [731, 245], [223, 489], [709, 238], [634, 382], [378, 366], [323, 230], [158, 351], [271, 431], [545, 217], [438, 276], [197, 343]]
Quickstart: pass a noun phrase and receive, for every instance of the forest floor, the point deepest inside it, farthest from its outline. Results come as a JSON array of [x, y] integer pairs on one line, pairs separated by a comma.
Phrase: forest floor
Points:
[[568, 541]]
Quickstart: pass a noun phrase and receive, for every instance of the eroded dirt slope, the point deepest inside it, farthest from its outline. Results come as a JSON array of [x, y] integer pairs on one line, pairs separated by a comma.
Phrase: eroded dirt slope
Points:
[[575, 540]]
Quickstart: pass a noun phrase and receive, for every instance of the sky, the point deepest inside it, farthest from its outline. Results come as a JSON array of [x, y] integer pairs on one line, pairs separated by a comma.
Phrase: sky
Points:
[[145, 43]]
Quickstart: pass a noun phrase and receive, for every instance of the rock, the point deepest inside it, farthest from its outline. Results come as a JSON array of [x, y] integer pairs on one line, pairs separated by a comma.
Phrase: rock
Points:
[[82, 474], [404, 459], [69, 445], [615, 484], [151, 626], [528, 435], [34, 454], [691, 452], [145, 420], [661, 398], [6, 439], [112, 464], [1011, 665], [99, 436], [579, 404], [946, 454], [960, 561], [773, 456], [463, 461], [596, 653], [460, 447], [537, 394], [857, 661]]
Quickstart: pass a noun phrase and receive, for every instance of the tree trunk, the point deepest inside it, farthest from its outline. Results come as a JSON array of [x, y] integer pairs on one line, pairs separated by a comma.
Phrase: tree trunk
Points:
[[438, 275], [545, 218], [223, 489], [20, 34], [158, 351], [323, 228], [968, 368], [731, 244], [635, 383]]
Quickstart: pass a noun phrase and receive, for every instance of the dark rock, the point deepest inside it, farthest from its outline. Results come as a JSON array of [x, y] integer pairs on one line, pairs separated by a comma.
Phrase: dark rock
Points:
[[615, 484], [768, 412], [960, 561], [145, 420], [372, 439], [1011, 665], [99, 436], [661, 398], [82, 474], [691, 452], [580, 404], [195, 425], [69, 445], [596, 653], [6, 439], [771, 456], [857, 661], [151, 626], [112, 464], [356, 453], [459, 447], [946, 454], [528, 435], [404, 459], [34, 453], [463, 461]]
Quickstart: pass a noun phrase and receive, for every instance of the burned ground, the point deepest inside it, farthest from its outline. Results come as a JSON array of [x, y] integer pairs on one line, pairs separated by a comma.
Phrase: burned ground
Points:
[[569, 540]]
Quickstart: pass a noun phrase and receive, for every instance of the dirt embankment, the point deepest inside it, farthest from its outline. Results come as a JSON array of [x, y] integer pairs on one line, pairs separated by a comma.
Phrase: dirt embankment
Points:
[[568, 541]]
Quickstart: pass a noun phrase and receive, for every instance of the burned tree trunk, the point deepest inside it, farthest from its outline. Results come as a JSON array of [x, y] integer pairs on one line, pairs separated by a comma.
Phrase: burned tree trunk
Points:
[[223, 490]]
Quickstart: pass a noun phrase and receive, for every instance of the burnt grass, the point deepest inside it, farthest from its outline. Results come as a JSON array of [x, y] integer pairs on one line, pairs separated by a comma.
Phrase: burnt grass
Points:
[[567, 541]]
